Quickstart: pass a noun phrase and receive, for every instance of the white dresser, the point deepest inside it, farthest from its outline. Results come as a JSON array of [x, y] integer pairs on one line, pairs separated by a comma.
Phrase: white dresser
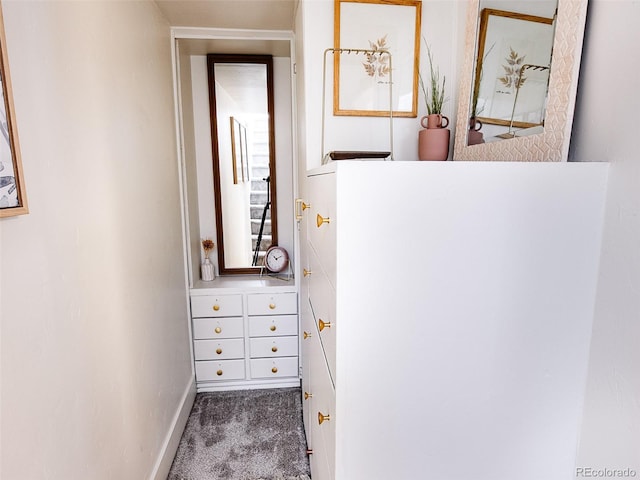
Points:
[[245, 333], [446, 315]]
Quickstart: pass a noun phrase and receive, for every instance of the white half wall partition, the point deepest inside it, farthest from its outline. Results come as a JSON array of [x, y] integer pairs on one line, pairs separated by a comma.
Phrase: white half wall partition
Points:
[[482, 276]]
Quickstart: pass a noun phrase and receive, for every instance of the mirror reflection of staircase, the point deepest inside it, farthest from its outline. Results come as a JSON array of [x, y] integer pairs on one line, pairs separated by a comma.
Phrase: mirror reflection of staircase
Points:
[[258, 172]]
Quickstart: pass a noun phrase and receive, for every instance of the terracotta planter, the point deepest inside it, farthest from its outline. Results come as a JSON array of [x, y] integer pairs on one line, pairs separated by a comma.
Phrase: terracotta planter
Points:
[[433, 140], [475, 136]]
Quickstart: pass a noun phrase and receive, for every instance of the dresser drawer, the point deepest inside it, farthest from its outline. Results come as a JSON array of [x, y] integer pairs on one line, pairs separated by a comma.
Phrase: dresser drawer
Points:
[[218, 349], [323, 221], [272, 325], [323, 403], [274, 347], [216, 306], [306, 354], [272, 304], [209, 370], [274, 367], [218, 327], [323, 305]]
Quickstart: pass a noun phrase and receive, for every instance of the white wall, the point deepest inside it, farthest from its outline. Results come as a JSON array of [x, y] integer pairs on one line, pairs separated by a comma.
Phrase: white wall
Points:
[[605, 129], [442, 27], [95, 348]]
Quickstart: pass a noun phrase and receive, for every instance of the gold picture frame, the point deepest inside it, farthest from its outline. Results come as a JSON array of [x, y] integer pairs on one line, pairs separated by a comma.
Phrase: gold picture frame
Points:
[[239, 157], [13, 198], [360, 88], [528, 33]]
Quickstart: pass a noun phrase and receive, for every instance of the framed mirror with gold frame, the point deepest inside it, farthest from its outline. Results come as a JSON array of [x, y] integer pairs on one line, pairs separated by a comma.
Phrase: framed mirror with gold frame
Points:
[[13, 199], [550, 140]]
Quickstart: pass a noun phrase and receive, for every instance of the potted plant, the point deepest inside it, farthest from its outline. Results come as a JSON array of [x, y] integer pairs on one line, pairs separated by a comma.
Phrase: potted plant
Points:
[[433, 140]]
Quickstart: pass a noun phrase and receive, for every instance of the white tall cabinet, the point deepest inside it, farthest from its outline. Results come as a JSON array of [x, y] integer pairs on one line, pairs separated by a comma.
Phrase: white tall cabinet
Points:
[[446, 316]]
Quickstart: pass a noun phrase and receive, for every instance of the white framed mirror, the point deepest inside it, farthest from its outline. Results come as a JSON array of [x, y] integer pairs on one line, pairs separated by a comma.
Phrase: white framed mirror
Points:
[[547, 138]]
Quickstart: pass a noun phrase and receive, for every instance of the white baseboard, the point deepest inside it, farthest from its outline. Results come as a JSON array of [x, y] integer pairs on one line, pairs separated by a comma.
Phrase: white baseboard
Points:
[[171, 441]]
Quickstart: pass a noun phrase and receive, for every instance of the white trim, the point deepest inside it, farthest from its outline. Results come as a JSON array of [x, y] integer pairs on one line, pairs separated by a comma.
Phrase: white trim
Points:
[[170, 445], [247, 385], [230, 33], [182, 178]]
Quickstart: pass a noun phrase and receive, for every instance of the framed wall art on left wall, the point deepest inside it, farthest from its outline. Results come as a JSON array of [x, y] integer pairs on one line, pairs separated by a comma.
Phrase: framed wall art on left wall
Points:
[[13, 198]]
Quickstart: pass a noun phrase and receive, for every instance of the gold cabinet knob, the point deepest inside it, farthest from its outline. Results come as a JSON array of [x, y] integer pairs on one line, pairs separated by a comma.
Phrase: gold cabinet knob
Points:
[[274, 370], [305, 206], [320, 220], [305, 335], [272, 328], [307, 395], [216, 307], [218, 330], [218, 351], [274, 349], [323, 418], [219, 372], [322, 325], [272, 306], [305, 272]]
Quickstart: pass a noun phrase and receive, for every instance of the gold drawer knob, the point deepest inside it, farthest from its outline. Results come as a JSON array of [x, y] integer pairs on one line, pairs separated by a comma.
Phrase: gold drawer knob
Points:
[[322, 325], [274, 370], [306, 272], [307, 395], [272, 306], [219, 372], [305, 206], [218, 351], [216, 307], [274, 349], [218, 330], [272, 328], [320, 220], [323, 418], [305, 335]]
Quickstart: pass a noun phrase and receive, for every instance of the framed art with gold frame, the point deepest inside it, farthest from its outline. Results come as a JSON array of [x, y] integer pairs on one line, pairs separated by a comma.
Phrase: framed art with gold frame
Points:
[[508, 42], [361, 85], [13, 199]]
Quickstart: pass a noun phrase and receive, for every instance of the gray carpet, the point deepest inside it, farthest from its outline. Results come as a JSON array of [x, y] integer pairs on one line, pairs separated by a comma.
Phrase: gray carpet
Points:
[[243, 435]]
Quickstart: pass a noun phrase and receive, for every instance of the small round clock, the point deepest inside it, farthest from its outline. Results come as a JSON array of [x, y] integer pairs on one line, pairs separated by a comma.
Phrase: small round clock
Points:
[[276, 259]]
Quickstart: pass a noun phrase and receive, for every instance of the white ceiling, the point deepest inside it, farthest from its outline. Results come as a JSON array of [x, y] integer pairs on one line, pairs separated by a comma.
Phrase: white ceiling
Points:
[[246, 14]]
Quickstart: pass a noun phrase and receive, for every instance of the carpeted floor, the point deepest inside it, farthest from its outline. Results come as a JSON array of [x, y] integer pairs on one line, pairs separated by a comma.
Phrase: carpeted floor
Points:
[[243, 435]]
